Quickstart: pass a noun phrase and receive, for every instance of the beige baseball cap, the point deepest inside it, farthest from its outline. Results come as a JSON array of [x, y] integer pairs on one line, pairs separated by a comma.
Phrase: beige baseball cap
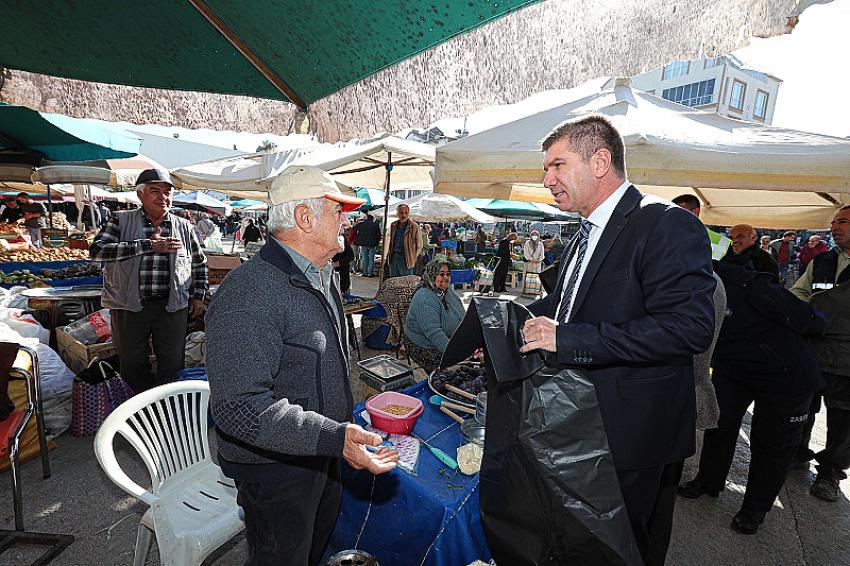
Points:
[[301, 182]]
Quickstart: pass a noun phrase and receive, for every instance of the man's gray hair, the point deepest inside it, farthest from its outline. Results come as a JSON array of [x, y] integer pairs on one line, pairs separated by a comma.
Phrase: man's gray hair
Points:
[[282, 216], [587, 136]]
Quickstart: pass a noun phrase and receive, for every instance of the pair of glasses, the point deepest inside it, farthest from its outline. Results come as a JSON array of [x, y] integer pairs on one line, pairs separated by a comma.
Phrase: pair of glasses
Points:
[[444, 273]]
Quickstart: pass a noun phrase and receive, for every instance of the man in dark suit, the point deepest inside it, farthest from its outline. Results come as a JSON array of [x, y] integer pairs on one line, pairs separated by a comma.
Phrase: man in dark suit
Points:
[[632, 306]]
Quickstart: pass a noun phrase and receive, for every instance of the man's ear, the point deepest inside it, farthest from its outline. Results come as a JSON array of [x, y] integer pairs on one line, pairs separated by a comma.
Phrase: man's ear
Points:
[[601, 162], [303, 218]]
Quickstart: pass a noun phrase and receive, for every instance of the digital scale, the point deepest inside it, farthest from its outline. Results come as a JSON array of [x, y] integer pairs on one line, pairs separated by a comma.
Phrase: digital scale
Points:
[[385, 373]]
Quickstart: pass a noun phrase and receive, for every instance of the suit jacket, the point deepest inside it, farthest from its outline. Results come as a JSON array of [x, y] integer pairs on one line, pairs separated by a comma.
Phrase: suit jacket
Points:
[[643, 308], [412, 243]]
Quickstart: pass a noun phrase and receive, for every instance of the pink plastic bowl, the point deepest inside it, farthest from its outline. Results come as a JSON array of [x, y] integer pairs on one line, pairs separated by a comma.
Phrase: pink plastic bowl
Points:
[[394, 423]]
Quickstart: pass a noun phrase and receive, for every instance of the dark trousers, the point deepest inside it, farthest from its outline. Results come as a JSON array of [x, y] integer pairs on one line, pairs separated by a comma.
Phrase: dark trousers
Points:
[[398, 266], [133, 332], [835, 458], [804, 453], [290, 521], [650, 498], [778, 419], [499, 278]]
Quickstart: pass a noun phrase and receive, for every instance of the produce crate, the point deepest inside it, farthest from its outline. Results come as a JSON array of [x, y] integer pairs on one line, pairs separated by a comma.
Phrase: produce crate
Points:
[[78, 356], [221, 265], [49, 232], [78, 244]]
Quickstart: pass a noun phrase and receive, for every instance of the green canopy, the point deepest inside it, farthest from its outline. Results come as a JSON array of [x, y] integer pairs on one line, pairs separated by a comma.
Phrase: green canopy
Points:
[[245, 202], [519, 209], [280, 49], [374, 198], [61, 138]]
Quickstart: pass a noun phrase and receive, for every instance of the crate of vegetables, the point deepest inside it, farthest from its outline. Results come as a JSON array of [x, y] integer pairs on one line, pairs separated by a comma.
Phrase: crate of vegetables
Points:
[[43, 254]]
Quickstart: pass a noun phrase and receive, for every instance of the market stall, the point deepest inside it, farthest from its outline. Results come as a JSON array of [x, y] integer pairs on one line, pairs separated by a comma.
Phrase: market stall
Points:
[[62, 260], [430, 518], [743, 172]]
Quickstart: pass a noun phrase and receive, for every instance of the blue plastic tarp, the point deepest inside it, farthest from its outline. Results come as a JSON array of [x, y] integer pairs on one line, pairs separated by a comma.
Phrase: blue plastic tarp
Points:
[[431, 518], [463, 276]]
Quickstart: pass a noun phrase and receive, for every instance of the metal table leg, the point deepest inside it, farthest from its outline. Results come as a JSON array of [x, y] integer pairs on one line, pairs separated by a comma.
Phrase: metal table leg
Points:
[[352, 335]]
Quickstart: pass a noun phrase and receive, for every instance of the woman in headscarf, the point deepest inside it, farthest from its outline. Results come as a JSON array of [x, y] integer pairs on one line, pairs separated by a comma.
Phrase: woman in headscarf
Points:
[[434, 314]]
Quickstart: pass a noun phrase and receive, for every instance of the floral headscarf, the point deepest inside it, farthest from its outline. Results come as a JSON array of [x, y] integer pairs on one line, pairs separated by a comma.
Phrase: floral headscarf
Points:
[[429, 279]]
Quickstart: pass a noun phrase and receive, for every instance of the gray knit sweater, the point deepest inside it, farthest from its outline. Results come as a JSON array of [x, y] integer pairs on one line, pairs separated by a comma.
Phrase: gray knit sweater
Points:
[[429, 324], [277, 363]]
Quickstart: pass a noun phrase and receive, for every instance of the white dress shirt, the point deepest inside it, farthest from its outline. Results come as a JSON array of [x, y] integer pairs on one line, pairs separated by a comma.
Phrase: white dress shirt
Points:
[[598, 219]]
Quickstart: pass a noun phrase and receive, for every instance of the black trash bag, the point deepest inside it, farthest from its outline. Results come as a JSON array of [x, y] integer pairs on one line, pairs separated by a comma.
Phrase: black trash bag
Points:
[[549, 490], [549, 276]]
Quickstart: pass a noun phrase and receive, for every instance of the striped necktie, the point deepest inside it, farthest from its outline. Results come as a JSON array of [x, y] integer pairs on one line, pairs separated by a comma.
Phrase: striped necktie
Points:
[[572, 282]]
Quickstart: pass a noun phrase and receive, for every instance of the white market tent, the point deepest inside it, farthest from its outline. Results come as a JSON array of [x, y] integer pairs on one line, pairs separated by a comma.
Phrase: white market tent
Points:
[[355, 164], [433, 207], [766, 176]]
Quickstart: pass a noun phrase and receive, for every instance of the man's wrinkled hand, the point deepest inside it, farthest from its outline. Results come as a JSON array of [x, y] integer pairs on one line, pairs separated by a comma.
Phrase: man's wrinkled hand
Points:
[[162, 245], [540, 334], [358, 457]]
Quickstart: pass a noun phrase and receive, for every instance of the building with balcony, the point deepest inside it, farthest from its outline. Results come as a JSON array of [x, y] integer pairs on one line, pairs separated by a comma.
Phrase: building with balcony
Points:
[[721, 84]]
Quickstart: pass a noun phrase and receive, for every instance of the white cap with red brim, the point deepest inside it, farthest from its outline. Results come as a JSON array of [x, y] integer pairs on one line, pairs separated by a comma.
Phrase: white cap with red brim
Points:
[[302, 182]]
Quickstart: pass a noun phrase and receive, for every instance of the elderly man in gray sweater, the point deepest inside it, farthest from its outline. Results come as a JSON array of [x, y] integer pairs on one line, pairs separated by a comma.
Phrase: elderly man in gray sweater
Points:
[[278, 367]]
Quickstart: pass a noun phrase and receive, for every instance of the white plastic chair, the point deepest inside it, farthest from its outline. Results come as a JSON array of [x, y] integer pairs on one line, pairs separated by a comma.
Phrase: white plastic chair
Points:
[[193, 508]]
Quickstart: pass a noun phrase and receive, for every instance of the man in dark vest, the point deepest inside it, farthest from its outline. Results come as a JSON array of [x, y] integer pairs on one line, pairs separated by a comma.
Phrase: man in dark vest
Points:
[[826, 286], [154, 279]]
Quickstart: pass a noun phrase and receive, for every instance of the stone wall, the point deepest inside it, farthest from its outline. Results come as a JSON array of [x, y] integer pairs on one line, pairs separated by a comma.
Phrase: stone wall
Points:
[[148, 105], [554, 44]]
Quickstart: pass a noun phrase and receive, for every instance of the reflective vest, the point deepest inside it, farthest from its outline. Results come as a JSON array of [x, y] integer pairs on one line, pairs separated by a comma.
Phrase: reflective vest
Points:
[[719, 244]]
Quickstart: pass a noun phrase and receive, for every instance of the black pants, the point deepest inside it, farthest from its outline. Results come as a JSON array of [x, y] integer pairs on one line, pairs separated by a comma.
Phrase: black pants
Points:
[[650, 498], [778, 420], [804, 453], [499, 278], [132, 333], [835, 458], [290, 521]]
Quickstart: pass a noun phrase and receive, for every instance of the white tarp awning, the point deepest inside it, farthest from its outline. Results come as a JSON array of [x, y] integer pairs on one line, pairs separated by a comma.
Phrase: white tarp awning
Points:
[[433, 207], [356, 164], [762, 175]]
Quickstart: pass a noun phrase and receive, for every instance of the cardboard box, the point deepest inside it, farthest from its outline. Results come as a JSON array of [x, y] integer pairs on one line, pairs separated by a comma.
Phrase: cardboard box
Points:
[[220, 265], [78, 356]]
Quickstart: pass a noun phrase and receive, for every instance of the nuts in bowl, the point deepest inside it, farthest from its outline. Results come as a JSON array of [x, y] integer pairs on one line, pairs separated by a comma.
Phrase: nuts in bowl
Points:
[[394, 412]]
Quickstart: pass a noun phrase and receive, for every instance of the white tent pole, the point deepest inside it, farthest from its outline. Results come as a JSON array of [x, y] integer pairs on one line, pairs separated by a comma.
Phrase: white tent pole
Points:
[[700, 194], [384, 256]]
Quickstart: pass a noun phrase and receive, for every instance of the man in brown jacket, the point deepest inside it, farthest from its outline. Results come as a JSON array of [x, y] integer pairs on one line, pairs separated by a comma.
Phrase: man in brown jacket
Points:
[[404, 244]]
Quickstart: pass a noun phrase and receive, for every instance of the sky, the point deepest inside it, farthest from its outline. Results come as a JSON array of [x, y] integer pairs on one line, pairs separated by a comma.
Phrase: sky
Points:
[[812, 63]]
